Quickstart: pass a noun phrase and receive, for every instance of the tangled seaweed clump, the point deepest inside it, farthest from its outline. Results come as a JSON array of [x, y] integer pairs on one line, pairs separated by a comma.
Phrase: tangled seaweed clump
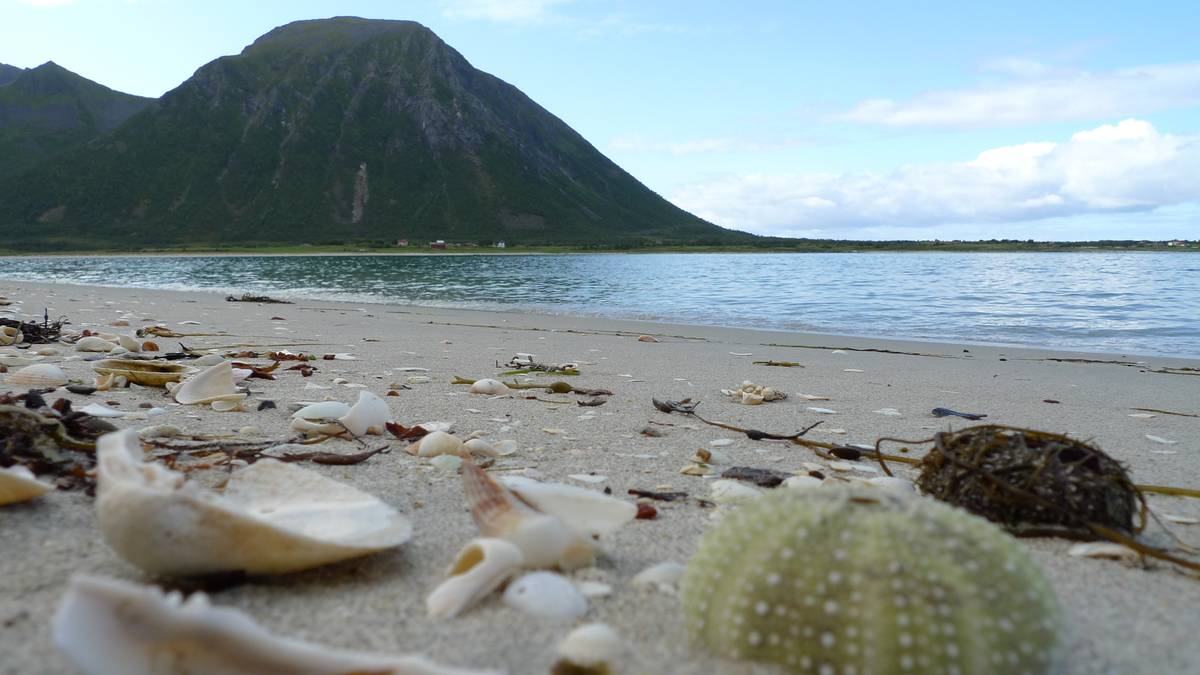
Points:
[[1031, 482], [855, 579]]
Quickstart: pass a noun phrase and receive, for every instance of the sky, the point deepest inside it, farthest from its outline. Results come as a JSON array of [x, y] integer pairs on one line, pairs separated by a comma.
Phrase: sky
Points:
[[871, 120]]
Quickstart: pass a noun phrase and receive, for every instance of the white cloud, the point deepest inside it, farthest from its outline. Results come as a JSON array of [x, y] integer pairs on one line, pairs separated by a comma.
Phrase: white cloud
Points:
[[505, 11], [1126, 167], [1037, 93], [639, 144]]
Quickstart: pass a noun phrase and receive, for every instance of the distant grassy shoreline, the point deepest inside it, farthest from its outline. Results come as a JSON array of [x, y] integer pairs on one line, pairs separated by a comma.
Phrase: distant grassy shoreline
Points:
[[799, 247]]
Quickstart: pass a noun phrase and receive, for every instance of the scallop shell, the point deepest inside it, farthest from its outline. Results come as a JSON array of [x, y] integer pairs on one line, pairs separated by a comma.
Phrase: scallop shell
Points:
[[546, 595], [489, 386], [214, 383], [109, 627], [38, 375], [145, 373], [18, 484], [478, 569], [270, 518], [368, 416], [439, 443], [94, 343], [544, 540], [10, 336]]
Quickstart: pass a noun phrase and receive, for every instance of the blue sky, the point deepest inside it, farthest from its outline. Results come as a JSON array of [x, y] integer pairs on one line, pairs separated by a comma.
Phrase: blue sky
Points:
[[1066, 120]]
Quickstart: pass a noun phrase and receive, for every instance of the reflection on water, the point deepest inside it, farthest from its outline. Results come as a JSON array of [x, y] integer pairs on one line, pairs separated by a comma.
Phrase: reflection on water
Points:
[[1116, 302]]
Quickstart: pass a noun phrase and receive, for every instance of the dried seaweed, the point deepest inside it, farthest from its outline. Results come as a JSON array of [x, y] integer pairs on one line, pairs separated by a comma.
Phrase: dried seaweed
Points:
[[406, 433], [946, 412], [767, 478], [660, 496], [46, 332], [49, 440], [1165, 412], [780, 364], [247, 297]]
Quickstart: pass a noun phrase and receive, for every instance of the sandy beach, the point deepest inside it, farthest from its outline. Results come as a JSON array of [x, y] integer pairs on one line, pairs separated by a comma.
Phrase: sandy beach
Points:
[[1120, 618]]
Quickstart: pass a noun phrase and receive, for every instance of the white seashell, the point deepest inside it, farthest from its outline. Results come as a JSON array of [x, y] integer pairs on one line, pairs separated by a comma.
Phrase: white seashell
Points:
[[417, 379], [590, 513], [10, 336], [270, 518], [18, 484], [439, 443], [17, 361], [891, 412], [664, 576], [101, 410], [802, 482], [368, 416], [732, 492], [480, 447], [227, 405], [325, 410], [594, 589], [544, 539], [109, 627], [1160, 439], [546, 595], [38, 375], [587, 478], [591, 645], [436, 426], [129, 343], [893, 484], [478, 569], [1103, 549], [94, 343], [448, 463], [505, 448], [209, 360], [214, 383], [821, 411], [490, 387]]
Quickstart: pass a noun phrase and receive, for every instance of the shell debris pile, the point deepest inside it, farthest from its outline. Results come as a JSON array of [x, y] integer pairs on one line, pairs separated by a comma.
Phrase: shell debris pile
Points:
[[753, 394]]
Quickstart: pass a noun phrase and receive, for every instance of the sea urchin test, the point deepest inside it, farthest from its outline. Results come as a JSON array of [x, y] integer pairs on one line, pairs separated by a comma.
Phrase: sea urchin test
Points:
[[855, 579]]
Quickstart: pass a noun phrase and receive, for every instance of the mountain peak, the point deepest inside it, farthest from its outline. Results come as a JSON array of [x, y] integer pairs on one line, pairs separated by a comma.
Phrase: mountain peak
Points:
[[333, 33]]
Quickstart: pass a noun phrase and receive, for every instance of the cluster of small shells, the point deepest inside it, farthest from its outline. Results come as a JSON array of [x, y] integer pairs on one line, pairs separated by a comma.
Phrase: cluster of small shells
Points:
[[754, 394], [852, 579]]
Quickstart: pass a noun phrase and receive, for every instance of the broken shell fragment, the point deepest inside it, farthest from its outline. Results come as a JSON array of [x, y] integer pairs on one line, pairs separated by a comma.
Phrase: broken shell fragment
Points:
[[591, 647], [38, 375], [214, 383], [109, 627], [478, 569], [18, 484], [10, 336], [368, 416], [270, 518], [547, 595], [588, 512], [753, 394], [490, 387], [544, 540], [144, 373]]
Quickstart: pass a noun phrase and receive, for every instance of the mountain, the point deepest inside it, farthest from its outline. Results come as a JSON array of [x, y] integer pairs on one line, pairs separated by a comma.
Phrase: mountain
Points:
[[342, 130], [49, 109]]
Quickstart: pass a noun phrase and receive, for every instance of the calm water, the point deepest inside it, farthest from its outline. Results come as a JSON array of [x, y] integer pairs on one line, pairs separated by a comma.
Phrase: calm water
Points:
[[1145, 303]]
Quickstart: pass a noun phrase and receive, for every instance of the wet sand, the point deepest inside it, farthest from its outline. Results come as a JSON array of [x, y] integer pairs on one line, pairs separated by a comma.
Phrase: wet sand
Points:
[[1120, 618]]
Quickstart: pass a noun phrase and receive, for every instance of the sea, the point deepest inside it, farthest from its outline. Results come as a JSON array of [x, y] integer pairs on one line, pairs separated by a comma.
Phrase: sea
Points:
[[1105, 302]]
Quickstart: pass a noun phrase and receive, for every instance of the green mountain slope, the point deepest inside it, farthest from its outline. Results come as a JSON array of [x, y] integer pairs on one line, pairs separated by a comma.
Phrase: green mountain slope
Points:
[[48, 109], [339, 130]]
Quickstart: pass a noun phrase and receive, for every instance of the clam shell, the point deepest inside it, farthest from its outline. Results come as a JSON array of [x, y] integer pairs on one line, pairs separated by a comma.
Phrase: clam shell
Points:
[[109, 627], [271, 517], [439, 443], [478, 569], [145, 373], [544, 540], [10, 336], [368, 416], [94, 343], [38, 375], [18, 484], [214, 383], [489, 386], [546, 595], [591, 645]]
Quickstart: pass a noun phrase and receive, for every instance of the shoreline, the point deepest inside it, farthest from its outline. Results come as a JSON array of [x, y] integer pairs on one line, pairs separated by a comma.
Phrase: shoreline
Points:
[[648, 324], [1119, 617]]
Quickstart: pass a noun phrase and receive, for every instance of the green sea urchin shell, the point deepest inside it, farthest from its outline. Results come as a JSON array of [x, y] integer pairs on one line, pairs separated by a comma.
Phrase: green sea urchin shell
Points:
[[855, 580]]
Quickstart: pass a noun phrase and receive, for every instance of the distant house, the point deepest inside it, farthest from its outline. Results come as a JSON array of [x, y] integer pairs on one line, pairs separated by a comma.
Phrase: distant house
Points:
[[1177, 242], [500, 244], [402, 242], [437, 244]]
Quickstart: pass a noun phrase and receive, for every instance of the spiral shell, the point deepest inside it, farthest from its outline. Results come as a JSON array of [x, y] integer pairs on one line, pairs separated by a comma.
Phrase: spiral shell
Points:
[[855, 579]]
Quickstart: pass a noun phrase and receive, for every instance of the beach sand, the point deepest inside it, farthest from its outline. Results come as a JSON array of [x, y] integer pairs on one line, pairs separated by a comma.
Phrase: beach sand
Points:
[[1119, 618]]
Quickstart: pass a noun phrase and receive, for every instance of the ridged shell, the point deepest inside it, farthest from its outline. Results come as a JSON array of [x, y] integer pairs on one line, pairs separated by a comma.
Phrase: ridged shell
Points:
[[855, 578], [270, 518], [478, 569], [38, 375], [109, 627]]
